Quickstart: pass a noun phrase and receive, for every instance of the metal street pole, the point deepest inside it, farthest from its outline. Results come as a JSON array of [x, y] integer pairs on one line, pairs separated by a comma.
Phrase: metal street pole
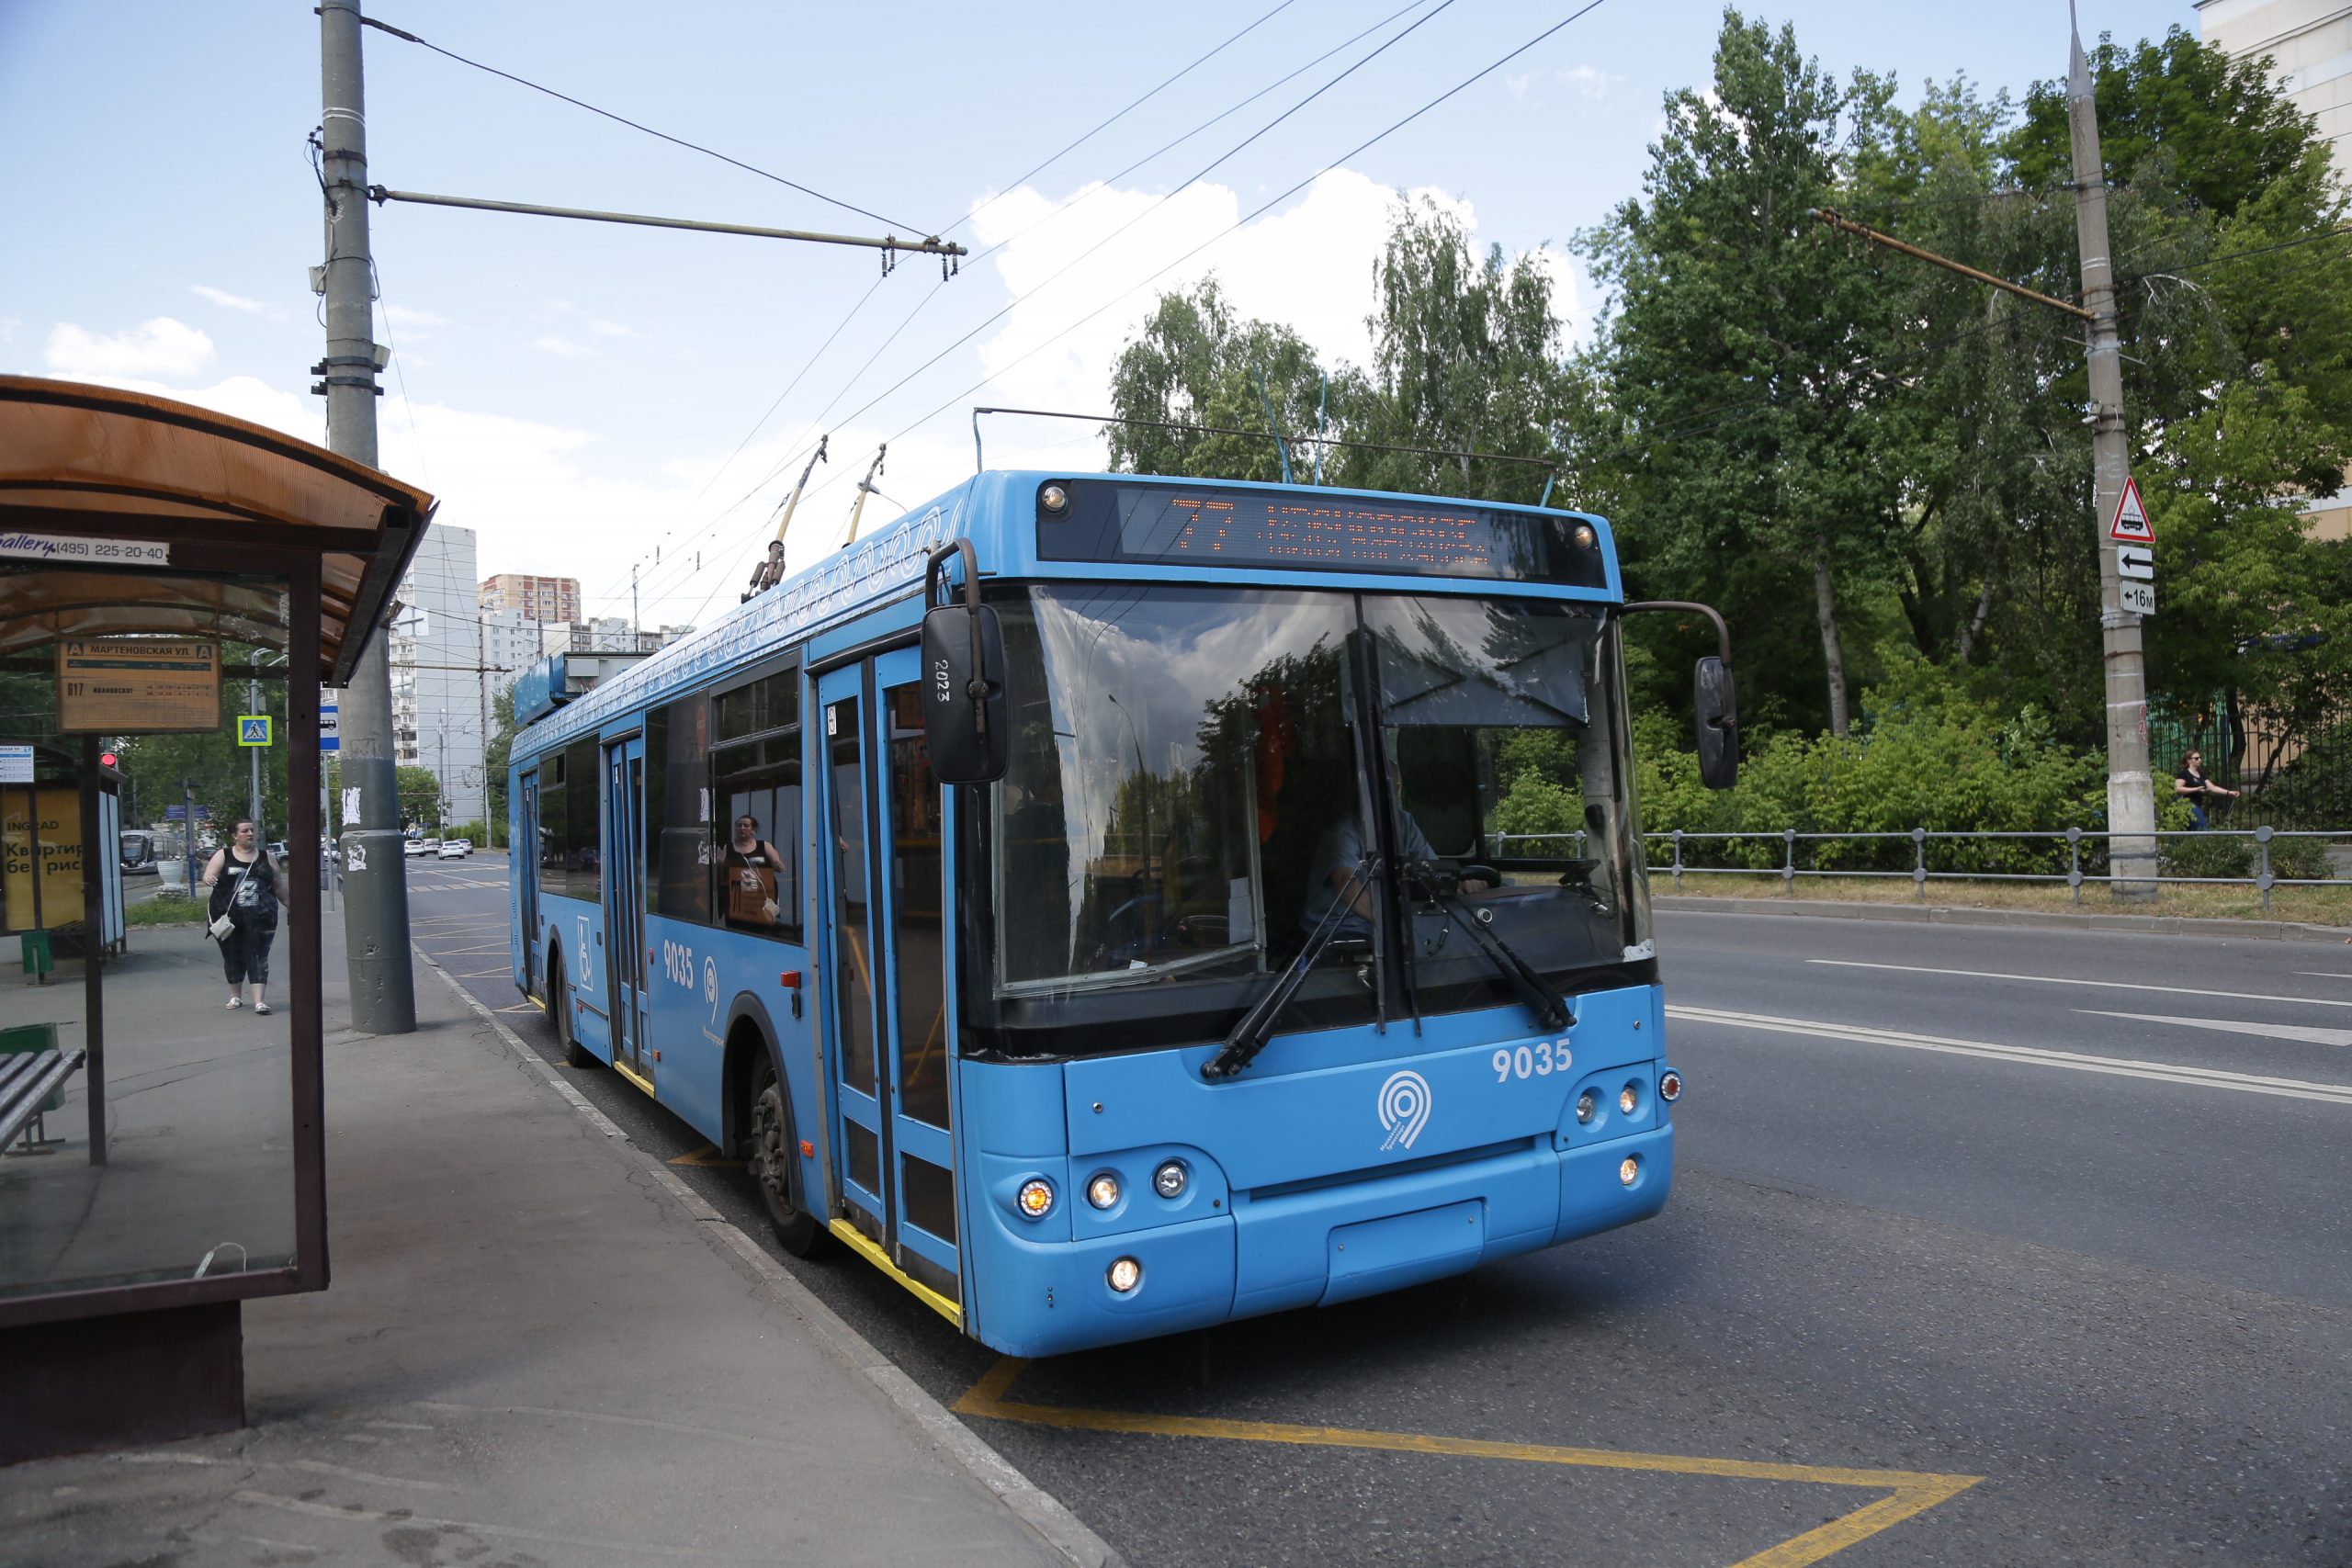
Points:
[[375, 924], [2130, 798], [253, 755]]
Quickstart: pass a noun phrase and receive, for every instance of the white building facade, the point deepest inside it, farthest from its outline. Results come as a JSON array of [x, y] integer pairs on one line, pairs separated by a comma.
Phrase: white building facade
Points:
[[441, 712]]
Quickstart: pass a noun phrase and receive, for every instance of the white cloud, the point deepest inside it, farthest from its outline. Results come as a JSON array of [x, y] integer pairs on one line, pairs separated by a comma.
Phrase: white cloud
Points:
[[564, 347], [402, 316], [1591, 82], [158, 347], [227, 300], [1308, 265], [612, 329]]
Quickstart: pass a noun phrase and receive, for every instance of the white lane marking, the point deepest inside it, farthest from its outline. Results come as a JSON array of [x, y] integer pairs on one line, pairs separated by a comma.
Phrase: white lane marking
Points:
[[2110, 984], [2024, 1056], [2324, 974], [2263, 1030]]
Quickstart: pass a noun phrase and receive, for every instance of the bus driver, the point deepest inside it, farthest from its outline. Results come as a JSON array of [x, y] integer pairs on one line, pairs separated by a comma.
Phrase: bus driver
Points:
[[753, 865]]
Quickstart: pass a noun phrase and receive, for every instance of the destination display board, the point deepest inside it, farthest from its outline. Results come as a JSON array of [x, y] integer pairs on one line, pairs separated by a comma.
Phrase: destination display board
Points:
[[138, 686], [1161, 525]]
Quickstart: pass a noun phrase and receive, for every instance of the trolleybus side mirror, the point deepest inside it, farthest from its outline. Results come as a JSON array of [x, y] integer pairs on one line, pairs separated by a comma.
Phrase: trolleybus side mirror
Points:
[[963, 721], [1718, 724], [1718, 713]]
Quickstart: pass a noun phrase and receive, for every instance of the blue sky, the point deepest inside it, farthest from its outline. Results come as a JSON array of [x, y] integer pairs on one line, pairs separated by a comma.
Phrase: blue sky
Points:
[[584, 395]]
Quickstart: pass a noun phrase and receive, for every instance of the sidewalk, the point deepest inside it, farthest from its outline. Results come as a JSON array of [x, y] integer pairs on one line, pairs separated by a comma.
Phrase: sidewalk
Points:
[[538, 1347]]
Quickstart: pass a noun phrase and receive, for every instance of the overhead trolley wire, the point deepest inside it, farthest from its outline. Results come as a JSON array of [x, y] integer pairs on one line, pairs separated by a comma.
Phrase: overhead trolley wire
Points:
[[634, 125], [1247, 218], [1024, 179], [1161, 200], [799, 445]]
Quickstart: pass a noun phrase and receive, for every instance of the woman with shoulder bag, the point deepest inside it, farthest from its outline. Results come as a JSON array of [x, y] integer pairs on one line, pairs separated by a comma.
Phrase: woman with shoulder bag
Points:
[[247, 888]]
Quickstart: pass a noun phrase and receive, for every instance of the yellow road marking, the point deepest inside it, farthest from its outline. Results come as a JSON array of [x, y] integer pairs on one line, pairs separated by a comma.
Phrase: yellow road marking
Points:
[[709, 1155], [524, 1006], [1909, 1492]]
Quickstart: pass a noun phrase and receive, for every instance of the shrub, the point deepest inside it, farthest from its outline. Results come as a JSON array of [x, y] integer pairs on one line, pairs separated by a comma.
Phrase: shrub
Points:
[[1930, 755]]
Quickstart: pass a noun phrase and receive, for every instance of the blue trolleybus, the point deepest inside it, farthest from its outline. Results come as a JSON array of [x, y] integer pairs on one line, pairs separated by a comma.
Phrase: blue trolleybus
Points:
[[1113, 905]]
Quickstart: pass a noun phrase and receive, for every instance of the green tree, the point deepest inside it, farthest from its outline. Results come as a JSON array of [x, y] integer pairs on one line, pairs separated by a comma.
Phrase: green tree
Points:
[[1466, 357], [1196, 363], [1739, 360]]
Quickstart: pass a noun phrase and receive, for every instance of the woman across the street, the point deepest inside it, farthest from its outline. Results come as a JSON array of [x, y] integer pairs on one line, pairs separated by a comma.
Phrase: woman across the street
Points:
[[248, 885]]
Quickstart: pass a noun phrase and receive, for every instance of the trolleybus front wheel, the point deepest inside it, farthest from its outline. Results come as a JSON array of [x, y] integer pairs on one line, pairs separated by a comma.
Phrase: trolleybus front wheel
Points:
[[775, 1167]]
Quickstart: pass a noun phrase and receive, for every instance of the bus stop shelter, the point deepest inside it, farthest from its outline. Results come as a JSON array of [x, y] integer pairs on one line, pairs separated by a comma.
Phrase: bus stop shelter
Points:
[[151, 553]]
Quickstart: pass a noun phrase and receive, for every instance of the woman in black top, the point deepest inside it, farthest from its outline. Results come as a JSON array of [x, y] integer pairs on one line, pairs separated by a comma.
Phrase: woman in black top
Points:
[[2193, 783], [247, 886]]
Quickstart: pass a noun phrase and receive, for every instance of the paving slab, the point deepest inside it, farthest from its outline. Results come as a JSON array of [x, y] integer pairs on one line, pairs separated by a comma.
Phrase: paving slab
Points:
[[536, 1350]]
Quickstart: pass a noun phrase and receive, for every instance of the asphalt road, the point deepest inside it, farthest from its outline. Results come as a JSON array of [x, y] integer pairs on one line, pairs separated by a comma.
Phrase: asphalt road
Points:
[[1986, 1248]]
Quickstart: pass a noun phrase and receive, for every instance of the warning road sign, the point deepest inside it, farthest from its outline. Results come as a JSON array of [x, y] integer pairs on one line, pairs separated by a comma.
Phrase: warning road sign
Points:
[[2130, 524]]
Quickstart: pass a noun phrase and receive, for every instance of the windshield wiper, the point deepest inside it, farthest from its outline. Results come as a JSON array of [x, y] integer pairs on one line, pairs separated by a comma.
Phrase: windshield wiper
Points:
[[1257, 1026], [1550, 1008]]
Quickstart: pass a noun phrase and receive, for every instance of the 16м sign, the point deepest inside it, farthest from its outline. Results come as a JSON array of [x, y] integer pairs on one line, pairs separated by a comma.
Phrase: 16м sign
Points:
[[138, 686]]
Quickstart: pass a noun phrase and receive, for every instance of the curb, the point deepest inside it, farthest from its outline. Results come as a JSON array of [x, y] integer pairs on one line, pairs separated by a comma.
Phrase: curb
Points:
[[1936, 914], [1044, 1514]]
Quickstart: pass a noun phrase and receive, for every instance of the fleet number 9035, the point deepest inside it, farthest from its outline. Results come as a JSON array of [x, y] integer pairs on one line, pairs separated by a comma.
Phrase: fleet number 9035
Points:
[[1537, 1061]]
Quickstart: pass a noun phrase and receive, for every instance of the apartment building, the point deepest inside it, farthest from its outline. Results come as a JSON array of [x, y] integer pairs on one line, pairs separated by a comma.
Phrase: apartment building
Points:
[[536, 598]]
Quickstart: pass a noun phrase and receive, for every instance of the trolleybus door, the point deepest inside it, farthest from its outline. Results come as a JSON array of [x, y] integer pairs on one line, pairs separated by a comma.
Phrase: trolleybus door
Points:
[[888, 1028], [624, 901], [522, 856]]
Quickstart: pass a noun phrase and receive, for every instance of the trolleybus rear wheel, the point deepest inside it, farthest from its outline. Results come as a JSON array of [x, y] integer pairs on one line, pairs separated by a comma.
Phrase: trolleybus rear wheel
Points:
[[559, 1013], [775, 1164]]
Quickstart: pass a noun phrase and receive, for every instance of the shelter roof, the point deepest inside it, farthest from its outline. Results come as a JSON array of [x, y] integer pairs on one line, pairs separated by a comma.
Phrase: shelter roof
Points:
[[79, 459]]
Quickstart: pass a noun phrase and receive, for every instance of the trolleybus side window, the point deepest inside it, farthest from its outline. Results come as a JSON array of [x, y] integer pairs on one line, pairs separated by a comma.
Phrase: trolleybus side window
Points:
[[681, 801], [756, 769], [582, 860], [552, 878]]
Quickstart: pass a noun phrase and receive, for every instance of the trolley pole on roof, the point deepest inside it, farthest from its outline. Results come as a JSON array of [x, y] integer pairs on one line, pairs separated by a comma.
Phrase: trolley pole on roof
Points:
[[375, 910]]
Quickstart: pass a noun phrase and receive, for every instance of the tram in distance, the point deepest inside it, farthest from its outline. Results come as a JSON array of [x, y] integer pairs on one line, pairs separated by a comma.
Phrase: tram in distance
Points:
[[1112, 905]]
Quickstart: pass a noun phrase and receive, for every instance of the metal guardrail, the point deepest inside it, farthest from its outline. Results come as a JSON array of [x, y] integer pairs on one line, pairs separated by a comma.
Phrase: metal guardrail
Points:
[[2261, 877]]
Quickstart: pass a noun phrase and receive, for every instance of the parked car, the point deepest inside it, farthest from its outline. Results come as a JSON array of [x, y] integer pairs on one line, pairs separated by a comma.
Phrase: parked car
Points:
[[414, 848], [456, 849]]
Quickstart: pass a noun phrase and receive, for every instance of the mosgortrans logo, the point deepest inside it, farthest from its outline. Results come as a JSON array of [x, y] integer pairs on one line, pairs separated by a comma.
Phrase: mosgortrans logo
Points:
[[1404, 1108]]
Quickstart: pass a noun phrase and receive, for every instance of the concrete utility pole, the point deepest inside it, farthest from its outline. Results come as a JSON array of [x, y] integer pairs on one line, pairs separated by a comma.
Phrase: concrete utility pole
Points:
[[375, 918], [2130, 799]]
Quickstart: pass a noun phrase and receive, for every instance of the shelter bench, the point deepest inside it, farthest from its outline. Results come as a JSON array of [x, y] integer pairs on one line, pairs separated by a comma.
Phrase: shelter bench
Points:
[[28, 1078]]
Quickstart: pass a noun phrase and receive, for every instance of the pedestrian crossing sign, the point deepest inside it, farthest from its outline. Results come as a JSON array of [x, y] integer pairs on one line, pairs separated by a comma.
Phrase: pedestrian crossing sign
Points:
[[252, 729], [2130, 524]]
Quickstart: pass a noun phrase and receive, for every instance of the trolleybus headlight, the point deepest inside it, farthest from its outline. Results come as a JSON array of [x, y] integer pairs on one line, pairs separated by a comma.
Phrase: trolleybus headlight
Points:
[[1170, 1179], [1628, 1168], [1054, 500], [1629, 1099], [1103, 1191], [1124, 1275], [1586, 1106], [1669, 1088], [1037, 1198]]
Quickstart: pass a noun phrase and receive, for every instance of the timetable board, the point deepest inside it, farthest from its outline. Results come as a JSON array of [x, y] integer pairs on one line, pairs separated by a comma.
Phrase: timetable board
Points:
[[138, 686]]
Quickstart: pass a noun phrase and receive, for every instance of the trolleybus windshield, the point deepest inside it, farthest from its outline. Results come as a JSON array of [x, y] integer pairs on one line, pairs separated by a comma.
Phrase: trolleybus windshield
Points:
[[1194, 772]]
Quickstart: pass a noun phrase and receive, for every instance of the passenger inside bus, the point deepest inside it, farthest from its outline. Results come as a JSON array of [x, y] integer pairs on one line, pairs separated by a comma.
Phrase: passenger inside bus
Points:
[[752, 867]]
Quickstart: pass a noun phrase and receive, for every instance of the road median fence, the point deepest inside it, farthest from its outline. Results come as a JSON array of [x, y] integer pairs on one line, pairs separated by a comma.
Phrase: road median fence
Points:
[[2258, 858]]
